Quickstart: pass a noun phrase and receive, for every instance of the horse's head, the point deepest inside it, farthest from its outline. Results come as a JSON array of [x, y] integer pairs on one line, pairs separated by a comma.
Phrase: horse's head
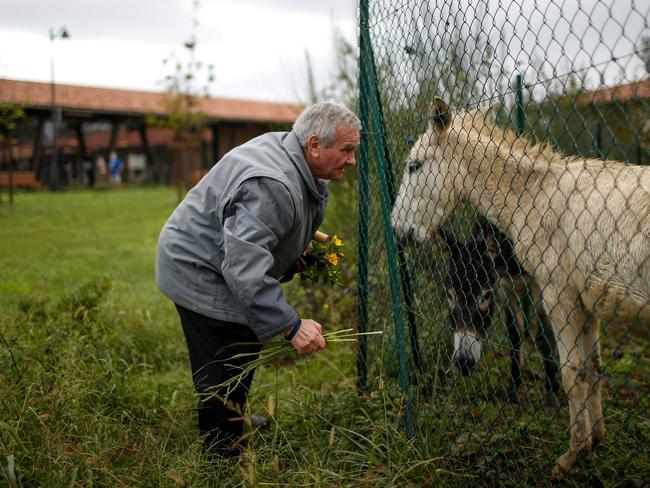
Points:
[[426, 197], [470, 294]]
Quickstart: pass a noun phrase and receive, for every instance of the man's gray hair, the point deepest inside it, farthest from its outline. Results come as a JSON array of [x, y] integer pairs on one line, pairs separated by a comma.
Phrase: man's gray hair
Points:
[[321, 120]]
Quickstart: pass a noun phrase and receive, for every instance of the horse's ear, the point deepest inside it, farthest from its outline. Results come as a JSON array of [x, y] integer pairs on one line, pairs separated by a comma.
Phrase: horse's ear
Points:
[[446, 240], [440, 116]]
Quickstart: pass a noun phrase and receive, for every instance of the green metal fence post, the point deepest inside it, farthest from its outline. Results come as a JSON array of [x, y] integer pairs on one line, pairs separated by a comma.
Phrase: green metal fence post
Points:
[[526, 300], [405, 276], [598, 139], [362, 243], [521, 114], [368, 84]]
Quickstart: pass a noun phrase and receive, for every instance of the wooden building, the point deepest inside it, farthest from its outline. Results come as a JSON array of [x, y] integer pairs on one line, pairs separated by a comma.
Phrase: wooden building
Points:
[[94, 121]]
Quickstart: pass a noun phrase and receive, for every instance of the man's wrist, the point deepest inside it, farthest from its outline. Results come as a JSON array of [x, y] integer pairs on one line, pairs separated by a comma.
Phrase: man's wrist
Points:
[[294, 330]]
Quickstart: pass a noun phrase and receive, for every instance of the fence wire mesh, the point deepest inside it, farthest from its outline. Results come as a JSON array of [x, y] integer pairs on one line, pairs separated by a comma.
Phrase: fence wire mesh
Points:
[[505, 251]]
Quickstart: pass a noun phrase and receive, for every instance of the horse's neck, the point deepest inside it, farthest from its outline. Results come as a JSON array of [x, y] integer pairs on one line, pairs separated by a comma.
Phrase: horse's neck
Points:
[[506, 191]]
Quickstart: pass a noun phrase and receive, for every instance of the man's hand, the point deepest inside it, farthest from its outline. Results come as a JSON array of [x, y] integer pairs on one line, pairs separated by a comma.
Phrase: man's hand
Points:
[[309, 338]]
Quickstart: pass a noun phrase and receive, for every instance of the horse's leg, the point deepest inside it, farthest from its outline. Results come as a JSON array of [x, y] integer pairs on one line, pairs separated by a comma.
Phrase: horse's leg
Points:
[[545, 341], [591, 346], [566, 317]]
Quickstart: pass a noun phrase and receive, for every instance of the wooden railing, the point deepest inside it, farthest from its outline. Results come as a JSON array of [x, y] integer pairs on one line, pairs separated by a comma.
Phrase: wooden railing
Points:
[[21, 179]]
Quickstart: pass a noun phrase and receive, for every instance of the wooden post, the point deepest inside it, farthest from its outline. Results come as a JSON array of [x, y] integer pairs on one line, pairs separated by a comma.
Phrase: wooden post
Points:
[[6, 144], [215, 143], [37, 150], [115, 125], [1, 170], [234, 133], [81, 155], [151, 166]]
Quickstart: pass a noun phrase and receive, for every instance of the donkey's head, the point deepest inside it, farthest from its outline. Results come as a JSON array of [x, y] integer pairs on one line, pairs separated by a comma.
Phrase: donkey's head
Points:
[[470, 295], [426, 197]]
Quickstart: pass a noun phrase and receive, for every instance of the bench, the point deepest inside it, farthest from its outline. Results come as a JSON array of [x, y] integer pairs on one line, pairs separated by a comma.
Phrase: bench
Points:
[[21, 179]]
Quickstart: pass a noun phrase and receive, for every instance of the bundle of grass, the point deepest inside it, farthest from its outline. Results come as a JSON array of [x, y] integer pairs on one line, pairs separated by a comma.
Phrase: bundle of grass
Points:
[[268, 355]]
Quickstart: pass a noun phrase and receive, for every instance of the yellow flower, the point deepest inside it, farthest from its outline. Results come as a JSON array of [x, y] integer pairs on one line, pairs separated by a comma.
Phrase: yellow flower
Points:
[[337, 242], [333, 258]]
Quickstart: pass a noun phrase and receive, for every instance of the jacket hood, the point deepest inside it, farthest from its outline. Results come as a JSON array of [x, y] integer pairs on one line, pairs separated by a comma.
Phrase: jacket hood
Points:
[[317, 187]]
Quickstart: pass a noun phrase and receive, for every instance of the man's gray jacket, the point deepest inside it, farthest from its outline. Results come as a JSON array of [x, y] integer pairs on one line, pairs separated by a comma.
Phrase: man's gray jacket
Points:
[[243, 226]]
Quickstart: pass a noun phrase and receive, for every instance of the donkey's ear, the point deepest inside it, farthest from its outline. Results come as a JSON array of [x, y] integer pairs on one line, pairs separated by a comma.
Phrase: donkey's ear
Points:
[[484, 233], [483, 230], [493, 246], [478, 229], [440, 116], [446, 240]]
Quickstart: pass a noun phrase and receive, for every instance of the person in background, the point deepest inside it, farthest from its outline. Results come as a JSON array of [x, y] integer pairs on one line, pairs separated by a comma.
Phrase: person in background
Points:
[[115, 168], [101, 168], [223, 250]]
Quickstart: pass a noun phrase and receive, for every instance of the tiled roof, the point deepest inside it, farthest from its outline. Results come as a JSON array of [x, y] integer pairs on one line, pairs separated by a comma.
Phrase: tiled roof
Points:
[[129, 102], [619, 93]]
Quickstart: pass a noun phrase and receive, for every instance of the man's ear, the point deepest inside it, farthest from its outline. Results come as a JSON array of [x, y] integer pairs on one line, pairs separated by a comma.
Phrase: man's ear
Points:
[[314, 146], [440, 116]]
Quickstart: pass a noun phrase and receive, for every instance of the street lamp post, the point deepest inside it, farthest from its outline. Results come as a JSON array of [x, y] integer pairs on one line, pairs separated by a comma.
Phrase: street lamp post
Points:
[[53, 179]]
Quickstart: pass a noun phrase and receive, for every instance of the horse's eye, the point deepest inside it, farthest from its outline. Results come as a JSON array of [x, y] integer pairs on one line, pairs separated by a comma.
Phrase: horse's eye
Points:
[[414, 166]]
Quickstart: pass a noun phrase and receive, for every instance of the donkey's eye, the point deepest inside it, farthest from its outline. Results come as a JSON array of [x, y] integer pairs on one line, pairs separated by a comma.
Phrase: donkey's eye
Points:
[[485, 300], [414, 166]]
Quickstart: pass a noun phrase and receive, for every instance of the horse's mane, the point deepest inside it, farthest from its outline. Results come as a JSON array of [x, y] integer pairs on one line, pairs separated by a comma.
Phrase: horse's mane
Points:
[[503, 141]]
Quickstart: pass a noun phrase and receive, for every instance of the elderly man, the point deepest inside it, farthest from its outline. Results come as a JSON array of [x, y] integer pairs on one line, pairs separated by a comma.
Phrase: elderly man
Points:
[[224, 249]]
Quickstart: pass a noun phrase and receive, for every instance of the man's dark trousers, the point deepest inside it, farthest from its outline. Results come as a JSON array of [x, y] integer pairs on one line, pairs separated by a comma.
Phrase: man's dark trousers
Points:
[[212, 343]]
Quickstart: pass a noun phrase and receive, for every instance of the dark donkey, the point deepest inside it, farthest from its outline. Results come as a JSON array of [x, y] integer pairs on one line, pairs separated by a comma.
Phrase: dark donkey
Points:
[[481, 273]]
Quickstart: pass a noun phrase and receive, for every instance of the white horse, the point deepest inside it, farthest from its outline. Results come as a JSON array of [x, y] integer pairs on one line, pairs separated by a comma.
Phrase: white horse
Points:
[[580, 227]]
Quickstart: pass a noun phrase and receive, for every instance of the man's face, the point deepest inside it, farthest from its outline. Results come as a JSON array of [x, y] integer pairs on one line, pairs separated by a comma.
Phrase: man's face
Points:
[[329, 163]]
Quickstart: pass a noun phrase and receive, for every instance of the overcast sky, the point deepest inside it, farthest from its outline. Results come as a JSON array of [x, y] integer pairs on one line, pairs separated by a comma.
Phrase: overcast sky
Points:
[[257, 46], [599, 40]]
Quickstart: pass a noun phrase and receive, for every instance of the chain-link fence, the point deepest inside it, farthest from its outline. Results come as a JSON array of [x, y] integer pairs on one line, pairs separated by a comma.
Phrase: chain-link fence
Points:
[[504, 233]]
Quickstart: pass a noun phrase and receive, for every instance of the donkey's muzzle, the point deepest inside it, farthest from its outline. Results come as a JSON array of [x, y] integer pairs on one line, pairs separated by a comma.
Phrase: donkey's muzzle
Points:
[[467, 352]]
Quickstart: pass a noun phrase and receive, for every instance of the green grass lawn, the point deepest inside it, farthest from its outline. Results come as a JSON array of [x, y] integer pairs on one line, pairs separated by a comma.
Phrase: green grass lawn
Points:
[[96, 389], [96, 386]]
